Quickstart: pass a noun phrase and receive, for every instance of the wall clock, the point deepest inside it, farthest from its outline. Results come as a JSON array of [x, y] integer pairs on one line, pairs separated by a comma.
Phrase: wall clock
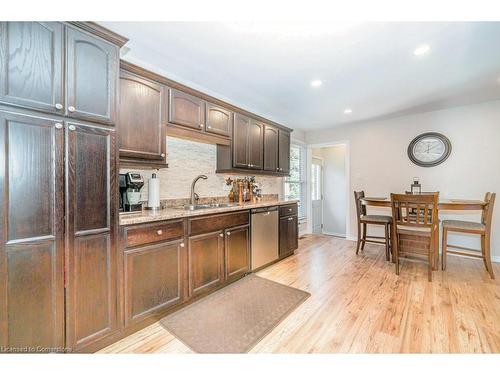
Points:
[[429, 149]]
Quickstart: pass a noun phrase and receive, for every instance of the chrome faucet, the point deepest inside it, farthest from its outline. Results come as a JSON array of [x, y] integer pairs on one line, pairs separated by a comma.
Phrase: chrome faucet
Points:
[[194, 196]]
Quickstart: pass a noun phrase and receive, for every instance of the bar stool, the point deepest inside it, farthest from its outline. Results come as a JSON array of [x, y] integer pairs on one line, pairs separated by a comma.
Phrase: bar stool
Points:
[[364, 220], [483, 229]]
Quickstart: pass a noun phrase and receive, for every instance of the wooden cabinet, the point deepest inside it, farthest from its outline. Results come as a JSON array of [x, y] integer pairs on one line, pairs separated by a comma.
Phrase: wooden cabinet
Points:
[[206, 262], [271, 148], [154, 279], [31, 65], [289, 230], [284, 152], [31, 242], [91, 294], [186, 110], [247, 143], [219, 120], [91, 77], [237, 251], [141, 127]]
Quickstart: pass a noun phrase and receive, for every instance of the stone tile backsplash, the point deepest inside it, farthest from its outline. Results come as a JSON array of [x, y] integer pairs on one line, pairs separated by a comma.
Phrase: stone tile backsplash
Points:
[[188, 159]]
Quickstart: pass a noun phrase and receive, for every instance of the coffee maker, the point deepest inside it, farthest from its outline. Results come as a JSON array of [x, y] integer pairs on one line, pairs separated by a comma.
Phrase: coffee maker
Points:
[[130, 192]]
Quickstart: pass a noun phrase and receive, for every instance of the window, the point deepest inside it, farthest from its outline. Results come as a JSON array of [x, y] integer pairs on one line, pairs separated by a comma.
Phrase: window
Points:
[[295, 184]]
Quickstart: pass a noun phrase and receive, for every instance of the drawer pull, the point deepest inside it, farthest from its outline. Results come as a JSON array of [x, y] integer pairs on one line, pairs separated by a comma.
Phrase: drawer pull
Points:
[[71, 108], [221, 235], [290, 218], [228, 233], [289, 209], [59, 106], [182, 244], [159, 232]]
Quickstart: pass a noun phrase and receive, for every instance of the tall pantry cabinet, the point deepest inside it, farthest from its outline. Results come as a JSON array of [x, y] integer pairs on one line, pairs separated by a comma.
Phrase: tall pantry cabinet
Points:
[[58, 176]]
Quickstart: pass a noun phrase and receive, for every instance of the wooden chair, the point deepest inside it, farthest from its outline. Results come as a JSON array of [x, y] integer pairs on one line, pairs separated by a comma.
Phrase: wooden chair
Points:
[[415, 226], [364, 220], [483, 229]]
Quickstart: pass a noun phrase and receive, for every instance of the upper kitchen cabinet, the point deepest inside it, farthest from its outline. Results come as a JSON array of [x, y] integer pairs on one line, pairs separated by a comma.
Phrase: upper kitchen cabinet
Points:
[[271, 148], [186, 110], [31, 65], [141, 127], [218, 120], [91, 77], [284, 152], [247, 143]]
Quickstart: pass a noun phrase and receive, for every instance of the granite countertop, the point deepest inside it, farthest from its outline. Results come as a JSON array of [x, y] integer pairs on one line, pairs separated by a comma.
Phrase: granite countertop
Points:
[[146, 216]]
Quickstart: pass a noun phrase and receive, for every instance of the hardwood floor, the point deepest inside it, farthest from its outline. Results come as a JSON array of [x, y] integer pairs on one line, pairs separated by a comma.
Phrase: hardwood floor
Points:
[[359, 305]]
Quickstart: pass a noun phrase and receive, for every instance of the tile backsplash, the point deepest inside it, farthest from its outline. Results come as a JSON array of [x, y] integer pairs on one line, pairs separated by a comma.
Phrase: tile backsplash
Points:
[[188, 159]]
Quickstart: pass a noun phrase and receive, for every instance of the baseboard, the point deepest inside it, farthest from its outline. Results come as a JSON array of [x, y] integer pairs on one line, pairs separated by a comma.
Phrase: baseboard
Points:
[[495, 259], [334, 234]]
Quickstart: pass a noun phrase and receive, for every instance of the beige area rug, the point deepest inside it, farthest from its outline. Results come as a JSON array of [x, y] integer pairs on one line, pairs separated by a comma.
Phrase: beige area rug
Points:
[[235, 318]]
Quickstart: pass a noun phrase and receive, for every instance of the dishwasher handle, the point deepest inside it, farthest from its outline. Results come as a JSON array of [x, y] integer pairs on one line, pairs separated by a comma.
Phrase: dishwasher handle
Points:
[[264, 210]]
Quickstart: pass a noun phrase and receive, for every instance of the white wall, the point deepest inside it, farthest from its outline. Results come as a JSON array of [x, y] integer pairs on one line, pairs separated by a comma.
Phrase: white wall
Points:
[[334, 185], [379, 164]]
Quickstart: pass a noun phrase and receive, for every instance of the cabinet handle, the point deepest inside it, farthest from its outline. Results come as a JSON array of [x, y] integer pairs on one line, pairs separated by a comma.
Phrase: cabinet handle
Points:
[[71, 127], [289, 209], [221, 235], [228, 233], [159, 232], [59, 106], [290, 218], [209, 127], [182, 244], [58, 125], [162, 155], [71, 108], [201, 125]]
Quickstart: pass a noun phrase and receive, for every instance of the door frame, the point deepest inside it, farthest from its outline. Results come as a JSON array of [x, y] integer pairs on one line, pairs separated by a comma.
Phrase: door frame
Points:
[[310, 147], [322, 194]]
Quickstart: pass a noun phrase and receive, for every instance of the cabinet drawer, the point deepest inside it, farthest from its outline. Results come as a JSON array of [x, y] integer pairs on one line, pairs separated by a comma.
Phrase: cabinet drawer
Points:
[[153, 233], [289, 209], [215, 223]]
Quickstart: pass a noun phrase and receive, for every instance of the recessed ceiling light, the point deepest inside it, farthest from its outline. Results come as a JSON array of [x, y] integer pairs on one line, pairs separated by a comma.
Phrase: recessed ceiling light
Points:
[[348, 111], [422, 50], [316, 83]]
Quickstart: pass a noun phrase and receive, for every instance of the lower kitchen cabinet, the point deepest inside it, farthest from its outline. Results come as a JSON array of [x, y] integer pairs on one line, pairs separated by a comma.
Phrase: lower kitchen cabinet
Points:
[[154, 279], [289, 238], [206, 262], [237, 251]]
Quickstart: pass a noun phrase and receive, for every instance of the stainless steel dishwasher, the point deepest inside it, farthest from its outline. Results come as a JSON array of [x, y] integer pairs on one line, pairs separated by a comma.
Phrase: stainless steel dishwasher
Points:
[[264, 236]]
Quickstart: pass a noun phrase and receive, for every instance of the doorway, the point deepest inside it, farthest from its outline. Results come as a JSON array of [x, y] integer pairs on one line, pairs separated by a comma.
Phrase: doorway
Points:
[[329, 182]]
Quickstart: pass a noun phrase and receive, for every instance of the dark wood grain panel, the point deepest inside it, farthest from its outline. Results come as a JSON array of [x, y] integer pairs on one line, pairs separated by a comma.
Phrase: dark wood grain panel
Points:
[[214, 223], [186, 110], [143, 235], [237, 251], [240, 141], [154, 277], [142, 131], [91, 77], [206, 253], [289, 235], [31, 248], [31, 64], [284, 151], [270, 148], [255, 145], [289, 209], [219, 120], [91, 294]]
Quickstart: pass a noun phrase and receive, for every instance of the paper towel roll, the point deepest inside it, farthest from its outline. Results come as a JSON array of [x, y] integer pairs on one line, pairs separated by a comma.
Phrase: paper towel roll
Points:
[[153, 192]]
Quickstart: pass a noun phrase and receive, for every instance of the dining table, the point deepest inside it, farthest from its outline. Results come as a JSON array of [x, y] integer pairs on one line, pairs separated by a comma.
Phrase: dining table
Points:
[[458, 204]]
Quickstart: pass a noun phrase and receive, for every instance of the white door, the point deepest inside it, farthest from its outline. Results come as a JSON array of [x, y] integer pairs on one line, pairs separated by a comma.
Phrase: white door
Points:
[[317, 195]]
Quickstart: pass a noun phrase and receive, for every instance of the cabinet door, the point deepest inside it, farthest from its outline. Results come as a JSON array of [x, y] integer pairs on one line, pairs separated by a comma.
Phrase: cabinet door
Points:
[[284, 151], [219, 120], [255, 145], [270, 148], [31, 238], [186, 110], [141, 128], [206, 253], [91, 77], [31, 65], [288, 235], [237, 251], [154, 277], [240, 141], [91, 294]]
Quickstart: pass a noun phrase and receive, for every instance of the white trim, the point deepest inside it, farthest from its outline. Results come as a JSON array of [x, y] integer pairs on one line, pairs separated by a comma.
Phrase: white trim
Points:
[[342, 235], [496, 258], [348, 179]]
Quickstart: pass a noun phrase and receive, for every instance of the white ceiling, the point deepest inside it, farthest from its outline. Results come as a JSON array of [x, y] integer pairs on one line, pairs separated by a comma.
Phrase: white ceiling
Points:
[[368, 67]]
